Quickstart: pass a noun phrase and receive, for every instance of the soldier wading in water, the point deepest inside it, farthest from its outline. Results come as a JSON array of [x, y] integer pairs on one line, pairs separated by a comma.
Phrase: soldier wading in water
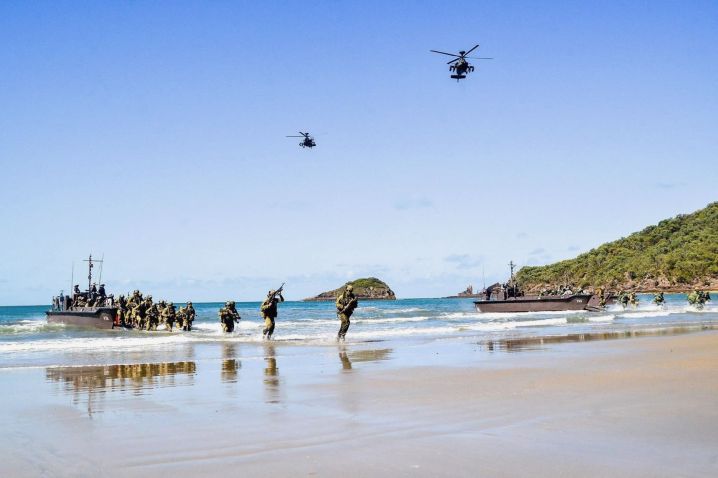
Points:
[[228, 315], [269, 311], [346, 303]]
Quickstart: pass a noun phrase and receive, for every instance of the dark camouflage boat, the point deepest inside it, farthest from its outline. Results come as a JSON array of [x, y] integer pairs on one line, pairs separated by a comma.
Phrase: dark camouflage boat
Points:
[[84, 309], [509, 297], [97, 317], [535, 303]]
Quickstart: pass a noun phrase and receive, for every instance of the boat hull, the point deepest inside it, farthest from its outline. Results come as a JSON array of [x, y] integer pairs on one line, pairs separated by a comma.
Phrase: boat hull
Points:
[[94, 317], [534, 304]]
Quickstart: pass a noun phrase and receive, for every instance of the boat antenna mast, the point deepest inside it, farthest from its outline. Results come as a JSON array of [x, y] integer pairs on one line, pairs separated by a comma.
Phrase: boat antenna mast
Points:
[[101, 261], [512, 266], [90, 265]]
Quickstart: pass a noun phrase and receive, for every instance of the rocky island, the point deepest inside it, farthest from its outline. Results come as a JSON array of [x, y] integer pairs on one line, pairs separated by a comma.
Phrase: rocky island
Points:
[[369, 288], [676, 255]]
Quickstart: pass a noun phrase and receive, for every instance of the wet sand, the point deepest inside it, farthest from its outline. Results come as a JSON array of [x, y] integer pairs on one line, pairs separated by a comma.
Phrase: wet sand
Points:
[[632, 407]]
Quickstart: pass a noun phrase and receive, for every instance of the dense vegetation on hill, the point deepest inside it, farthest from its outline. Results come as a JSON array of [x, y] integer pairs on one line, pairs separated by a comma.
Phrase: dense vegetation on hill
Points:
[[677, 253], [365, 288]]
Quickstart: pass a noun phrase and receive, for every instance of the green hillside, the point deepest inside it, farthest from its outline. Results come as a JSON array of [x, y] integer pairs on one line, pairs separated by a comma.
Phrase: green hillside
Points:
[[676, 254]]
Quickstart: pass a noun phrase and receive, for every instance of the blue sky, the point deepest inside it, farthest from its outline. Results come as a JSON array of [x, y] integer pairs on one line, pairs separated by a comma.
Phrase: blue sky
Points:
[[153, 132]]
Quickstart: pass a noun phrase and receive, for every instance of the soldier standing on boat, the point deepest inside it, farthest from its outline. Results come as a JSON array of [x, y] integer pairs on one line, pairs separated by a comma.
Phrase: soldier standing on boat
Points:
[[346, 303], [269, 311], [79, 301]]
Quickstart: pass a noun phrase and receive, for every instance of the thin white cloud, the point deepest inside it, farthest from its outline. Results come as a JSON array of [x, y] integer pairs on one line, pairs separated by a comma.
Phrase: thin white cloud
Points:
[[421, 202]]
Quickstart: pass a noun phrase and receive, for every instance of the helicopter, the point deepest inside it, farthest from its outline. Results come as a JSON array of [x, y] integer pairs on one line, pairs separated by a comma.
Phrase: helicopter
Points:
[[307, 142], [459, 65]]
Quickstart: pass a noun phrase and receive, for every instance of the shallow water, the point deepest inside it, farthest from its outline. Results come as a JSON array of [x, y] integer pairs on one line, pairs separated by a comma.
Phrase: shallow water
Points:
[[27, 340]]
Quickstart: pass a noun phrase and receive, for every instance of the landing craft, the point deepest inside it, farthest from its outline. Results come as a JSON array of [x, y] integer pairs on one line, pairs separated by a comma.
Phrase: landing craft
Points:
[[101, 313], [510, 298], [307, 142], [459, 66]]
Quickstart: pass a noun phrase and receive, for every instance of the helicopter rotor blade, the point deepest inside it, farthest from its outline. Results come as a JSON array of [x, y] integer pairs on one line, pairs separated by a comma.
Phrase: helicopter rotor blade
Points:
[[452, 61], [475, 47], [444, 53], [294, 136], [478, 58]]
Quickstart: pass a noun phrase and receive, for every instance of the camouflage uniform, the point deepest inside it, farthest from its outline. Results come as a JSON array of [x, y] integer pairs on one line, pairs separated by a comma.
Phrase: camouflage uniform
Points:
[[623, 298], [161, 307], [170, 315], [228, 315], [658, 299], [601, 295], [182, 318], [122, 310], [153, 316], [269, 312], [346, 303], [190, 316], [140, 315], [698, 298]]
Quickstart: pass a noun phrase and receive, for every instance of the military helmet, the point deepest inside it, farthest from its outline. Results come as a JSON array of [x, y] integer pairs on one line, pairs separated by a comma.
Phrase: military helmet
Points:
[[189, 302], [271, 292], [350, 287]]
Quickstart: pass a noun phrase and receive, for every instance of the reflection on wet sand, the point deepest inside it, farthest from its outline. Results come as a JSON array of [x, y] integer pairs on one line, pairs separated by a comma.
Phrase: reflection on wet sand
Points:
[[346, 363], [271, 372], [230, 365], [363, 355], [521, 344], [88, 381], [369, 355]]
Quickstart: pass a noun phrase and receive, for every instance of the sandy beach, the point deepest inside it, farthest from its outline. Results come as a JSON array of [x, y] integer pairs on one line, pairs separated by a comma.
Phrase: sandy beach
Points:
[[630, 407]]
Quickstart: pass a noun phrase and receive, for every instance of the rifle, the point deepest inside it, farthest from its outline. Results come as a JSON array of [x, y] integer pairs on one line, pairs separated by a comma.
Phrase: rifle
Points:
[[355, 299], [278, 291]]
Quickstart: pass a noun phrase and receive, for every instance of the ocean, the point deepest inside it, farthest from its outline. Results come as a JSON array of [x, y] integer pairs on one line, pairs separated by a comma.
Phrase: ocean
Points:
[[27, 340]]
